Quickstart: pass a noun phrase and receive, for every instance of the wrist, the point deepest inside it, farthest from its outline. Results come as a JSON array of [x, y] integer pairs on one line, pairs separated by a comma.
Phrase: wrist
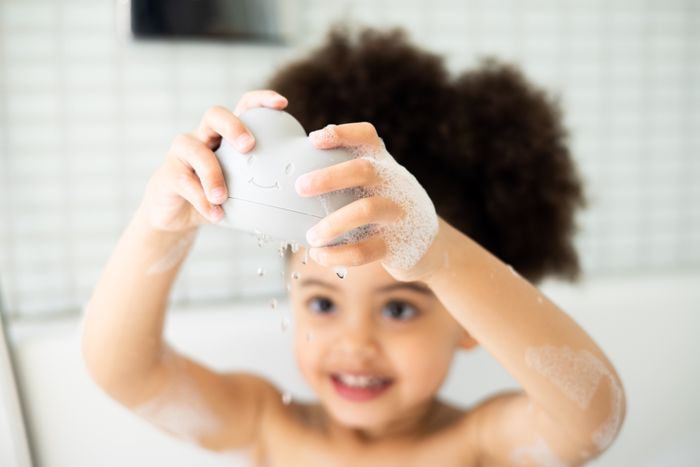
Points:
[[158, 218], [435, 260], [142, 226]]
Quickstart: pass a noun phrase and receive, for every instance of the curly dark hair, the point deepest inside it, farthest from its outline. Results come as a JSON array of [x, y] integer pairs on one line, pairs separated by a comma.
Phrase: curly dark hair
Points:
[[488, 146]]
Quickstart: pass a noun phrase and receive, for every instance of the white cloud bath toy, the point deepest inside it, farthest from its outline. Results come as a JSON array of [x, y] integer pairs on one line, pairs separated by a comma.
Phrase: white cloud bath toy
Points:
[[262, 198]]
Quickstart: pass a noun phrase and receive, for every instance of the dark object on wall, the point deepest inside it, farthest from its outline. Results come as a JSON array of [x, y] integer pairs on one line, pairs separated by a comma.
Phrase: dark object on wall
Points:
[[247, 20]]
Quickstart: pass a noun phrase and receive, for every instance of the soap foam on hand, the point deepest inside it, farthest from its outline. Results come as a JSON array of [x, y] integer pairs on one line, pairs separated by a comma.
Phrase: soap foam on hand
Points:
[[408, 239]]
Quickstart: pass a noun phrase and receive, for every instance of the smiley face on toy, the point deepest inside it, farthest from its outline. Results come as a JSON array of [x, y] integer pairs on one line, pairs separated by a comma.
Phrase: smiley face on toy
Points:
[[262, 198]]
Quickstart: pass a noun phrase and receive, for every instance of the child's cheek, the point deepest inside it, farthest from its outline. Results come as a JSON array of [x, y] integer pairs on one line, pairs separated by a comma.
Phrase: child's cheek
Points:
[[307, 361], [310, 343], [423, 364]]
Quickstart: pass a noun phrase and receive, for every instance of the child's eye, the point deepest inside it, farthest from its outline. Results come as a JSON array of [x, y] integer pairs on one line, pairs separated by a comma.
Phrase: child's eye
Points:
[[401, 311], [321, 305]]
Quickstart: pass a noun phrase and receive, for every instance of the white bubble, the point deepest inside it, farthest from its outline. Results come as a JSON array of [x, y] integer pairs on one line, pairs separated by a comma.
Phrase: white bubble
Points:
[[261, 238], [537, 453], [327, 135], [261, 272], [286, 398], [408, 239], [284, 324], [273, 303], [578, 375], [179, 407], [606, 433], [296, 275], [305, 259]]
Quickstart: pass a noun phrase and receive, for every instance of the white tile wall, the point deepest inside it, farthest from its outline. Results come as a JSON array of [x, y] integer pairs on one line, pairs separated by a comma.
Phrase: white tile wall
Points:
[[86, 115]]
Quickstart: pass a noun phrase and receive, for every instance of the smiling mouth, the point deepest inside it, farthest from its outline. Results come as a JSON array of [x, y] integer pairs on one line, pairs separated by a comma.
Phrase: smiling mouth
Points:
[[274, 185], [360, 388]]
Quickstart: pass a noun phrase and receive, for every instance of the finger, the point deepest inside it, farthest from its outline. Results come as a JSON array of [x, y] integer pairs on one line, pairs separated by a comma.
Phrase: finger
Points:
[[372, 210], [348, 134], [354, 254], [219, 121], [356, 172], [260, 98], [187, 185], [192, 153]]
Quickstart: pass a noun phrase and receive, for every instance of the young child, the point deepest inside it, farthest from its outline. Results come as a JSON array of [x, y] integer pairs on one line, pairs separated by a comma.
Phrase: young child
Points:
[[375, 346]]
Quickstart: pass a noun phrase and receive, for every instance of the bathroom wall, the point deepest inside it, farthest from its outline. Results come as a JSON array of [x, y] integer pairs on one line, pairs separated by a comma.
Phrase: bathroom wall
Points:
[[86, 115]]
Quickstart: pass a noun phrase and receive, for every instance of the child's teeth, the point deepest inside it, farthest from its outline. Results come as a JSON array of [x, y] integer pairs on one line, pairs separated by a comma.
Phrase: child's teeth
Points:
[[360, 380]]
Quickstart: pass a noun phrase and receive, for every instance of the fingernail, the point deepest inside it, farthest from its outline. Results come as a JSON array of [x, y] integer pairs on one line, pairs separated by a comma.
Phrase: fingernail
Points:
[[301, 185], [325, 136], [218, 194], [215, 213], [276, 99], [312, 236], [244, 142]]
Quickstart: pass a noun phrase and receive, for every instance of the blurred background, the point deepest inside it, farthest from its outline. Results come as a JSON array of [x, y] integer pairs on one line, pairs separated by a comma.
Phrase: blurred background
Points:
[[92, 92]]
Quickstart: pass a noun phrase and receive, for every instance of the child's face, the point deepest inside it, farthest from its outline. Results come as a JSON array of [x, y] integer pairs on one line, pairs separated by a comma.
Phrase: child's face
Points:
[[374, 350]]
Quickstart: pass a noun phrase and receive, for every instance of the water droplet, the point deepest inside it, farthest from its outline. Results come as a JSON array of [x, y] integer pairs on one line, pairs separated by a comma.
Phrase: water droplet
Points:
[[282, 249], [273, 303], [261, 237], [289, 169], [305, 259], [261, 272], [289, 286], [295, 247], [284, 324], [341, 271], [296, 275], [286, 398], [251, 160]]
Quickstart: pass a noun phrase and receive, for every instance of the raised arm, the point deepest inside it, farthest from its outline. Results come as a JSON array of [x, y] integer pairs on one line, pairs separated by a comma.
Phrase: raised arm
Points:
[[122, 341], [574, 403]]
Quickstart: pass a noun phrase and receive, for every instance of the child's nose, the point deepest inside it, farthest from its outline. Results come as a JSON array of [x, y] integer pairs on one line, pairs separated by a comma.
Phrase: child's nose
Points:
[[359, 341]]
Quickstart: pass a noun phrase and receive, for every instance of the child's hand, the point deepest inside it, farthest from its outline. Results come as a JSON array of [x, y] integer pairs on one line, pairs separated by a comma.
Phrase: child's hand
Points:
[[188, 188], [401, 215]]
